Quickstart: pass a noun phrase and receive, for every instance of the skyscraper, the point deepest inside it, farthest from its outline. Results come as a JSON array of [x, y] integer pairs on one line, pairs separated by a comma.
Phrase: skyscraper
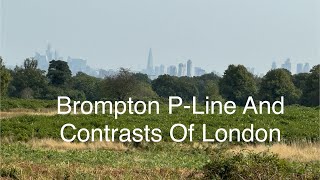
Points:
[[77, 65], [189, 68], [181, 69], [274, 65], [172, 70], [150, 70], [43, 63], [49, 52], [199, 71], [157, 71], [306, 68], [287, 65], [299, 68], [161, 69]]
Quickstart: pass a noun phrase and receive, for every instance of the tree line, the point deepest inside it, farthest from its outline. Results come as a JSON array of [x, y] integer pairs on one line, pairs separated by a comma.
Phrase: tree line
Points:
[[236, 84]]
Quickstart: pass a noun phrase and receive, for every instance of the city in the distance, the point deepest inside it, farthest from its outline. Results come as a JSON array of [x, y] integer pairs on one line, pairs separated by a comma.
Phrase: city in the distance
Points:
[[153, 71]]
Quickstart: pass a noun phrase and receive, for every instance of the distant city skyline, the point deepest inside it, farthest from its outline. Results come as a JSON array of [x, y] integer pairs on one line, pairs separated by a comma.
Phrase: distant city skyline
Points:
[[213, 34], [182, 69]]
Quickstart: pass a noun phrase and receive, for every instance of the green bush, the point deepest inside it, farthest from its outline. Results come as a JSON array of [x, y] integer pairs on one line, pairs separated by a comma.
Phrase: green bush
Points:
[[258, 166]]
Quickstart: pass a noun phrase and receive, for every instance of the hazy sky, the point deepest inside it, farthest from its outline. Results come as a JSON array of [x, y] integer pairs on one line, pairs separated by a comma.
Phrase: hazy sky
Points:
[[119, 33]]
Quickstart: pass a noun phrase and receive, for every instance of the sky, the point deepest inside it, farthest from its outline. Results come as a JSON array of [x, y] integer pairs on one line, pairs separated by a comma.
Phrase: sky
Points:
[[118, 33]]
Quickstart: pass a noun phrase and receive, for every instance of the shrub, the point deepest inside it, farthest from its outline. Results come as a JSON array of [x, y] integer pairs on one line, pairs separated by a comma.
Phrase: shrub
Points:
[[258, 166]]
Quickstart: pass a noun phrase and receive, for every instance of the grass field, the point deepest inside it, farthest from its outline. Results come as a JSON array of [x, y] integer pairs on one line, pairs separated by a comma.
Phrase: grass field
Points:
[[31, 147]]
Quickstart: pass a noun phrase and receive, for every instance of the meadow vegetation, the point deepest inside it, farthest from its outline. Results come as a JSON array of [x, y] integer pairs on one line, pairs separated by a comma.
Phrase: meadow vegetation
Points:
[[31, 148]]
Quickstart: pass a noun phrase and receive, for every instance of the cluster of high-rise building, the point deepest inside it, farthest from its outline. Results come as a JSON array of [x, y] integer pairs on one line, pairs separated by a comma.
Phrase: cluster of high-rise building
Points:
[[75, 64], [183, 69], [301, 68], [43, 59]]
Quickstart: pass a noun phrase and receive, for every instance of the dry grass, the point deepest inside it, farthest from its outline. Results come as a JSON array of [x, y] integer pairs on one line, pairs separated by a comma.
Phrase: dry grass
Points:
[[302, 152], [20, 112], [61, 145], [27, 170]]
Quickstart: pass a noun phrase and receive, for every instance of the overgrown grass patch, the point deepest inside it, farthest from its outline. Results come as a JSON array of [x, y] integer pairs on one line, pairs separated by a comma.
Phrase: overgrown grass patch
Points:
[[34, 104], [297, 124]]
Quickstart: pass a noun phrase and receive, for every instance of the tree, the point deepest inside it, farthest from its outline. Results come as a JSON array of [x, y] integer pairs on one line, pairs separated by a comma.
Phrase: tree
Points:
[[211, 89], [120, 86], [277, 83], [5, 78], [183, 87], [300, 80], [208, 85], [28, 81], [58, 72], [88, 84], [142, 77], [311, 91], [237, 84]]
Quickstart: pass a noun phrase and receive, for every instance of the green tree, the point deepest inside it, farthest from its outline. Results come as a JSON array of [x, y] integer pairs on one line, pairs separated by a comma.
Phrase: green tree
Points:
[[120, 86], [88, 84], [5, 78], [183, 87], [164, 86], [208, 85], [211, 89], [28, 81], [310, 95], [277, 83], [300, 82], [142, 77], [237, 84], [58, 72], [52, 92]]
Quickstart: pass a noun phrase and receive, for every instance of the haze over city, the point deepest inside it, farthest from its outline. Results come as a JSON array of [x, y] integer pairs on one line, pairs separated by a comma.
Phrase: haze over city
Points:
[[213, 34]]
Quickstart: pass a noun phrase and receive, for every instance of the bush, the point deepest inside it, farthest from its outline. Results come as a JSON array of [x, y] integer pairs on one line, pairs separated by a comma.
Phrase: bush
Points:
[[258, 166]]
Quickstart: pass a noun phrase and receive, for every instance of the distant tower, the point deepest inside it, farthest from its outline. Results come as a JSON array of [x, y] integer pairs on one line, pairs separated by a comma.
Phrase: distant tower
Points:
[[287, 65], [299, 68], [181, 69], [199, 71], [161, 69], [189, 68], [49, 52], [56, 55], [306, 68], [157, 71], [150, 63], [274, 65], [172, 70]]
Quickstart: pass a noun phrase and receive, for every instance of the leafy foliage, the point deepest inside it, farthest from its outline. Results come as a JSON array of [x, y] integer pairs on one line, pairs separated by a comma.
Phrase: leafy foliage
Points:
[[126, 84], [277, 83], [5, 78], [257, 166], [237, 84], [58, 72], [28, 81], [311, 91], [89, 85], [166, 86]]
